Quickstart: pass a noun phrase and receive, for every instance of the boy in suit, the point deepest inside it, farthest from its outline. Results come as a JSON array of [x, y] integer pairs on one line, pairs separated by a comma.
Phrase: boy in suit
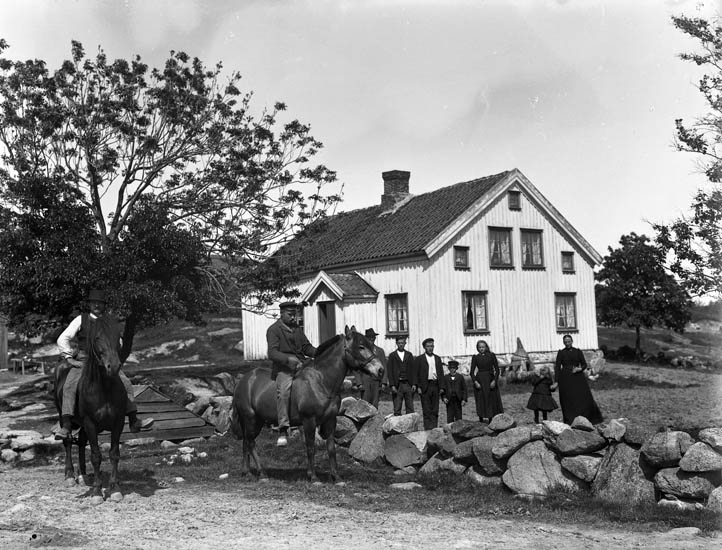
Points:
[[455, 395]]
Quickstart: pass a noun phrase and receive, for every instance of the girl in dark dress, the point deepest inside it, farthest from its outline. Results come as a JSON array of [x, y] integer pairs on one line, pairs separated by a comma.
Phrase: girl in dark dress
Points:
[[485, 376], [574, 393], [541, 396]]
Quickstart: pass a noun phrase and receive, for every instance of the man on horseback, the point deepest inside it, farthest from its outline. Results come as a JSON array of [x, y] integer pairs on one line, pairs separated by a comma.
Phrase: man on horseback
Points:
[[78, 328], [288, 347]]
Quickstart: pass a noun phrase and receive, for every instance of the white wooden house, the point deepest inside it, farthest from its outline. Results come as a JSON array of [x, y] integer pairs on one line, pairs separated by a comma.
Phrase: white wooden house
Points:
[[485, 259]]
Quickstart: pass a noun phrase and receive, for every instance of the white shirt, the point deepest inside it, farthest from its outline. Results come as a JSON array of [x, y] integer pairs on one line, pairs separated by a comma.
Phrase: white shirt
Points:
[[64, 340], [431, 360]]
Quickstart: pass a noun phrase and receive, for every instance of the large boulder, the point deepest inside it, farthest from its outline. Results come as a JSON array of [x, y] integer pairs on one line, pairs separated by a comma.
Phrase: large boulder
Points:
[[577, 442], [400, 452], [666, 449], [360, 411], [621, 473], [635, 435], [345, 402], [552, 428], [483, 480], [674, 481], [613, 430], [585, 467], [713, 438], [436, 464], [487, 463], [440, 441], [508, 442], [463, 430], [534, 470], [581, 423], [464, 452], [714, 501], [700, 457], [403, 424], [345, 431], [368, 445], [502, 422], [223, 382]]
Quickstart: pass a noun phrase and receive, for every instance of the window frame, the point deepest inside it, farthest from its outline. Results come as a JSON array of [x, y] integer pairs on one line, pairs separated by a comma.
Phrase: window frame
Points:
[[509, 231], [466, 266], [539, 232], [388, 299], [566, 295], [464, 306], [515, 202], [570, 255]]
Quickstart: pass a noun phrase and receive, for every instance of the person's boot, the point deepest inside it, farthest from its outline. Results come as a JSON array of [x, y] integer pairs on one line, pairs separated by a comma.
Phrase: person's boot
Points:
[[66, 427], [136, 424], [283, 438]]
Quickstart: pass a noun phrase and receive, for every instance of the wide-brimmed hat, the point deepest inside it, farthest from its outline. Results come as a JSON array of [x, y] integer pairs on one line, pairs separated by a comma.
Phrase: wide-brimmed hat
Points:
[[371, 333], [96, 295]]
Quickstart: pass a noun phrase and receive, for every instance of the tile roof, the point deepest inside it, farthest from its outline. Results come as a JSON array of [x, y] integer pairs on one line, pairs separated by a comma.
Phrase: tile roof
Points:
[[352, 285], [371, 233]]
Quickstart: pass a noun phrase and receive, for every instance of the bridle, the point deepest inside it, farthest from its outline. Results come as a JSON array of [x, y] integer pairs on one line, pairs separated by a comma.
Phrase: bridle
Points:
[[364, 363]]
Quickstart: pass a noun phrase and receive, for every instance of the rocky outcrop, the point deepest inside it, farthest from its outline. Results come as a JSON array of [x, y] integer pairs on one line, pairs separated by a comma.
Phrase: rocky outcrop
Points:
[[621, 473], [535, 469], [665, 449]]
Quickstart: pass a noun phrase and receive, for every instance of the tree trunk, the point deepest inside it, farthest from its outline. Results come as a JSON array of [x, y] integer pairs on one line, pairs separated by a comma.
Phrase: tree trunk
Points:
[[128, 334], [638, 344]]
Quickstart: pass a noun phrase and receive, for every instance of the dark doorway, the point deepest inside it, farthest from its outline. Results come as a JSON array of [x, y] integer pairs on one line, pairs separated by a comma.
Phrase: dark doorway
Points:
[[326, 320]]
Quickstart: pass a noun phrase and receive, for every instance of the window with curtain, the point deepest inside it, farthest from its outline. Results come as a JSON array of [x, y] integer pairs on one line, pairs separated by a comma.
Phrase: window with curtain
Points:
[[531, 248], [397, 316], [461, 257], [568, 262], [566, 311], [474, 312], [500, 247]]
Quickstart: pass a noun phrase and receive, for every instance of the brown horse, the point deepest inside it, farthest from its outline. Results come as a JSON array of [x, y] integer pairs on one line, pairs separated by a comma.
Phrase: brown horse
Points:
[[315, 397], [100, 406]]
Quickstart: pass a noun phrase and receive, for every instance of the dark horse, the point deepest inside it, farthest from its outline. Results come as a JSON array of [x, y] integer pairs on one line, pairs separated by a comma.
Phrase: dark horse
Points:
[[100, 405], [315, 397]]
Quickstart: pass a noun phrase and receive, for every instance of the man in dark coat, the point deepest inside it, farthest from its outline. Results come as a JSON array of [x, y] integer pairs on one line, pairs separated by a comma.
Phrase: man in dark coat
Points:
[[429, 379], [367, 384], [456, 394], [399, 372], [288, 347]]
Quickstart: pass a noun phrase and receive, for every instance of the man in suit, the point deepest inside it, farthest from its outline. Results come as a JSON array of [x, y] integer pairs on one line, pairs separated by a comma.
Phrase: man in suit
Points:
[[366, 383], [288, 347], [429, 379], [400, 372], [455, 392]]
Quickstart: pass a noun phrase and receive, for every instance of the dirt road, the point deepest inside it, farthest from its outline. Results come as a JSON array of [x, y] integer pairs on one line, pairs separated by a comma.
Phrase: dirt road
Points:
[[39, 511]]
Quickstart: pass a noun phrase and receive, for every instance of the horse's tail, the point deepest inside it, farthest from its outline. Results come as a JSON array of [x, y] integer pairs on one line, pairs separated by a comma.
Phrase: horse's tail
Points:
[[236, 424]]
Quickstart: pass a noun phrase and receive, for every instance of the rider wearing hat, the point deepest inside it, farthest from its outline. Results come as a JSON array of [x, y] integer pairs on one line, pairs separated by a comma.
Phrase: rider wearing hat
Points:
[[78, 329], [288, 347]]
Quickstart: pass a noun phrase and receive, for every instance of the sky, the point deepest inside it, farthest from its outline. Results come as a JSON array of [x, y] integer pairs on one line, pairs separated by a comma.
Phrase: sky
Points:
[[580, 95]]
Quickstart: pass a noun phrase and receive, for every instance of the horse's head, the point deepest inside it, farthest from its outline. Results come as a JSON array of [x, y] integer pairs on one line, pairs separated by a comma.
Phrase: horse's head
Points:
[[103, 344], [359, 354]]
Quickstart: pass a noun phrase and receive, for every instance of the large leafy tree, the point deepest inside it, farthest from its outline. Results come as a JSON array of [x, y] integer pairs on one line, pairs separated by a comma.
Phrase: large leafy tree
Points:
[[161, 185], [694, 241], [635, 289]]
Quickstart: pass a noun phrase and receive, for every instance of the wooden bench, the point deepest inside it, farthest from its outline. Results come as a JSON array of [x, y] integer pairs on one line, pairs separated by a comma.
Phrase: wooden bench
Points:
[[23, 365]]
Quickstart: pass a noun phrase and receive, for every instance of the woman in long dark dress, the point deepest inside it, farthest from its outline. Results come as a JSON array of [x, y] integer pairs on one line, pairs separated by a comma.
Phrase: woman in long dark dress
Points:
[[575, 396], [485, 376]]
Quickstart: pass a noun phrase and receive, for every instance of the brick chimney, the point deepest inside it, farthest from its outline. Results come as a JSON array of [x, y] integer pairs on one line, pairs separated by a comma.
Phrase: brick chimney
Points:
[[396, 187]]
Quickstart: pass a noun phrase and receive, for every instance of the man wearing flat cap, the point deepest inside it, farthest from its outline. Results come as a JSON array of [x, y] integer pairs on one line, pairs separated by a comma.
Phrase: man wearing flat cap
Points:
[[429, 379], [78, 330], [288, 348], [367, 384]]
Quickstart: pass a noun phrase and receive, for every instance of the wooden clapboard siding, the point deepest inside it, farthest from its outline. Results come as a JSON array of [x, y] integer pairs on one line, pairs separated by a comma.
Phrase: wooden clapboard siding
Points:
[[172, 421]]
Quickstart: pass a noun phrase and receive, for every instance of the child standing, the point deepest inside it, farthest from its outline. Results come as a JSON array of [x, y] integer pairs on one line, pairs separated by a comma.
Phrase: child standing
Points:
[[455, 392], [541, 396]]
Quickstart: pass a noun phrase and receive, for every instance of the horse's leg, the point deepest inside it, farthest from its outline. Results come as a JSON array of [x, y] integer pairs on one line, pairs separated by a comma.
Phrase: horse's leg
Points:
[[69, 470], [309, 433], [82, 467], [327, 430], [95, 459], [114, 486], [252, 429]]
